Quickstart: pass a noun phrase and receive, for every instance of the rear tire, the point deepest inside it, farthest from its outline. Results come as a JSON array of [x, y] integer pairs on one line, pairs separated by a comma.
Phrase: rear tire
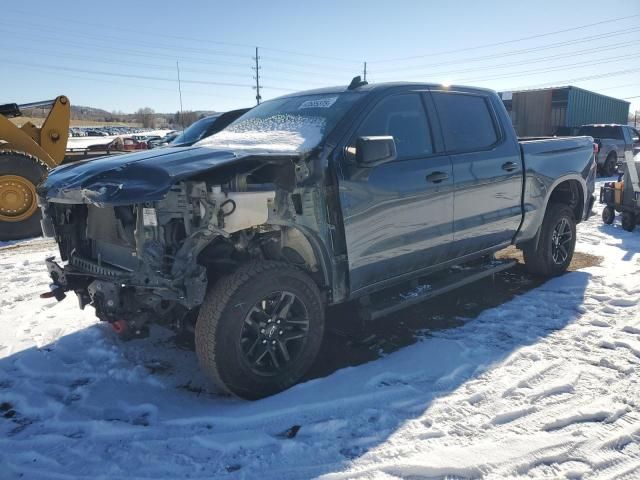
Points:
[[19, 212], [610, 166], [260, 329], [628, 221], [608, 215], [556, 243]]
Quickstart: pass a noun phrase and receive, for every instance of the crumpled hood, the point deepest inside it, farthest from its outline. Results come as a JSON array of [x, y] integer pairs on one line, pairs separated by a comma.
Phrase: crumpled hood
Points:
[[134, 178]]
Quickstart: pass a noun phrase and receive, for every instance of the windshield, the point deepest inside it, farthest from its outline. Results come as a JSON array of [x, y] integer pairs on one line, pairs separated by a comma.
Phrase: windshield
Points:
[[195, 131], [605, 131], [293, 124]]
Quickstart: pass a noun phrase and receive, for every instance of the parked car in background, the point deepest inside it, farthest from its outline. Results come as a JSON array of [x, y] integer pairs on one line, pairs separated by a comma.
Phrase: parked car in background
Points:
[[613, 140], [163, 141], [130, 144], [310, 200], [206, 127]]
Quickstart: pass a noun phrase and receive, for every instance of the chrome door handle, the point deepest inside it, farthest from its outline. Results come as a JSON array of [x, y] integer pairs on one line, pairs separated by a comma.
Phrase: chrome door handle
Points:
[[509, 166]]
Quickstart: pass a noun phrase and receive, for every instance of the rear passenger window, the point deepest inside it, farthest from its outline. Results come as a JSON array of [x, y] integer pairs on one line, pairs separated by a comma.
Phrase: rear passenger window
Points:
[[467, 123], [404, 118]]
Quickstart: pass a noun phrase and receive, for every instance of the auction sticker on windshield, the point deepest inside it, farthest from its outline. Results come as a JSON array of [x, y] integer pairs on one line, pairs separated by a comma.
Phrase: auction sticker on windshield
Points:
[[325, 102]]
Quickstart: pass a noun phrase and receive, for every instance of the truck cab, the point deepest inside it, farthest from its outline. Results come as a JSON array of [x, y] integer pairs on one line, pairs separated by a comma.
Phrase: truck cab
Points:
[[453, 189]]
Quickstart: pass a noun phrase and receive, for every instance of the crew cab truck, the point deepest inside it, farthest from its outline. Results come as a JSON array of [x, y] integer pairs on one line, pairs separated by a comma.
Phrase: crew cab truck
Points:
[[310, 200], [613, 141]]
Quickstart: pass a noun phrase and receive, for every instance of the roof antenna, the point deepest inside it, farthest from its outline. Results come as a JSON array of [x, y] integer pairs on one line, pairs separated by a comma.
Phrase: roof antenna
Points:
[[357, 82]]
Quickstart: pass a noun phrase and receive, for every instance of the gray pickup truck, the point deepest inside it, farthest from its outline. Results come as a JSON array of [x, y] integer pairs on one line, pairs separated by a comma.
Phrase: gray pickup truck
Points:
[[371, 193], [612, 140]]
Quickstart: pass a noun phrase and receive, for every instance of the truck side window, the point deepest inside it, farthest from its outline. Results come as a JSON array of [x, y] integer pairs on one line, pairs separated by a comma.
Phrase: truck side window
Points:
[[404, 118], [467, 123]]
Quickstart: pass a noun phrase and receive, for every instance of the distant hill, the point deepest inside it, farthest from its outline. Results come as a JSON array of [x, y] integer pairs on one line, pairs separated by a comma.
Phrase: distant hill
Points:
[[80, 112], [96, 116]]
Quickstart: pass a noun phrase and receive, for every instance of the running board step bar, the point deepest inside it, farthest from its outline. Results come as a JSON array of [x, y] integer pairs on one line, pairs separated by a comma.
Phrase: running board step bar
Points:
[[389, 301]]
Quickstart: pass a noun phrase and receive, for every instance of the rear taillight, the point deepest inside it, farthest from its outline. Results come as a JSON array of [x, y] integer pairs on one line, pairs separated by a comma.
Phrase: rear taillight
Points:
[[596, 148]]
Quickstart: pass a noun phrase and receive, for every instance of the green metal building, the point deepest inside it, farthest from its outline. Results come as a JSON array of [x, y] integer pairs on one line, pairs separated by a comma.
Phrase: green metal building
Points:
[[561, 110]]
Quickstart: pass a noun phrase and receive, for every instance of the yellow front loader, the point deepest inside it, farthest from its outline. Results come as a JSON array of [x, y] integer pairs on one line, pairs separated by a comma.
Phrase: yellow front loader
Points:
[[27, 153]]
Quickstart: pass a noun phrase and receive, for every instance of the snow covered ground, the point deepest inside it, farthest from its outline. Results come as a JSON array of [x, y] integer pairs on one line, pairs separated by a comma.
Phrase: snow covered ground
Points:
[[544, 386]]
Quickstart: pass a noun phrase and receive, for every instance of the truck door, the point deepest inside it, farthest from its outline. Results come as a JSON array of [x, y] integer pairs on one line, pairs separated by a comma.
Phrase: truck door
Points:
[[487, 170], [397, 215]]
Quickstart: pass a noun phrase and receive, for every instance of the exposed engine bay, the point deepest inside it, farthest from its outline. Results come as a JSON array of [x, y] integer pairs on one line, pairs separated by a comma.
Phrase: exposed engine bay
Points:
[[153, 261]]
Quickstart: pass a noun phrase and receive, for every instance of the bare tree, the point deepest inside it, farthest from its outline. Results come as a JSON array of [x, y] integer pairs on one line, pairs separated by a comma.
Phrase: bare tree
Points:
[[184, 119], [147, 117]]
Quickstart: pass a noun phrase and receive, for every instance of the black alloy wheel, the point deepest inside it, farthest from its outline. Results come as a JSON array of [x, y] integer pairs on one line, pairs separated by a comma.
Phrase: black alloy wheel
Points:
[[274, 333]]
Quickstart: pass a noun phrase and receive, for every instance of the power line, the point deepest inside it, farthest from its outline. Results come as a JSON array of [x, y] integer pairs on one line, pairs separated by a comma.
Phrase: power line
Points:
[[537, 71], [310, 55], [516, 52], [123, 75], [66, 20], [137, 86], [545, 70], [588, 51], [305, 73], [183, 59], [143, 77], [167, 57], [506, 42], [301, 64], [129, 64], [578, 79], [106, 40], [177, 37], [130, 52], [620, 86]]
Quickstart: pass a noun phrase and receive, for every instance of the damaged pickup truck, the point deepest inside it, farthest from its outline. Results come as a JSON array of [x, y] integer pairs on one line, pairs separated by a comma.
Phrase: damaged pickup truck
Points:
[[310, 200]]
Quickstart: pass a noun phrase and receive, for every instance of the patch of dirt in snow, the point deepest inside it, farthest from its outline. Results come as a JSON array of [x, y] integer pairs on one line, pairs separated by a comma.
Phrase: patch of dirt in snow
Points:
[[508, 378]]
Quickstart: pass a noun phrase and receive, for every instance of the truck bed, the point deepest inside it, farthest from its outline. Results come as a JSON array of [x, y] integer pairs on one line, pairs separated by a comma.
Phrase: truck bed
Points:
[[546, 160]]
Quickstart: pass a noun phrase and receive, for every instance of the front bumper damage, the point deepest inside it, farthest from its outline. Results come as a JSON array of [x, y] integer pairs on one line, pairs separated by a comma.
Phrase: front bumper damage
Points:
[[118, 294]]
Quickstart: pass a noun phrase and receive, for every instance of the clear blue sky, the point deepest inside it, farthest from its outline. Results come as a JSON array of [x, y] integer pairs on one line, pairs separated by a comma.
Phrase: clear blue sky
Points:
[[121, 55]]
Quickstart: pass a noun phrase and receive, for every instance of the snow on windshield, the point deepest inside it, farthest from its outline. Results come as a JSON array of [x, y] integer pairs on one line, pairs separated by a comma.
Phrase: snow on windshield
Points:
[[283, 132]]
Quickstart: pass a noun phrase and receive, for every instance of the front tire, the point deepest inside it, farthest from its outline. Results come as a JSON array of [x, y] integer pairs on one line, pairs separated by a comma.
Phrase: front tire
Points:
[[556, 243], [260, 329]]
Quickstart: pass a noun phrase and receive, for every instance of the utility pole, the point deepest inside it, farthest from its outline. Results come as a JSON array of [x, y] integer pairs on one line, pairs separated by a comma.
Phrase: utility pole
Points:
[[180, 93], [257, 77], [365, 72]]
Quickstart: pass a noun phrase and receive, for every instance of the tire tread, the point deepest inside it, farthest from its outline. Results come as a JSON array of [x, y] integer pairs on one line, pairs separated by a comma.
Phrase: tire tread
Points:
[[535, 258], [216, 302]]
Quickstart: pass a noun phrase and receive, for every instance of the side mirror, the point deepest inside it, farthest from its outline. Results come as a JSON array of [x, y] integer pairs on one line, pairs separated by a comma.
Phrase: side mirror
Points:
[[372, 151]]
